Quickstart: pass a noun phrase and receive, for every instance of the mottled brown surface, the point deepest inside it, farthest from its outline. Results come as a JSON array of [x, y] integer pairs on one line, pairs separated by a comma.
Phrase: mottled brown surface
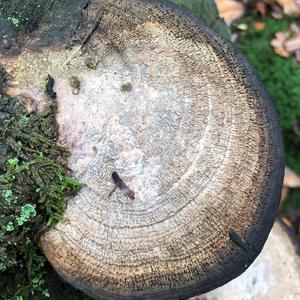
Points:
[[195, 137]]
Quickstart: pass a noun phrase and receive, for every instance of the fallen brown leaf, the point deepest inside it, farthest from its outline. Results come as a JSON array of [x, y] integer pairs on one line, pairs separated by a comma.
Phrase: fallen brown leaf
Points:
[[284, 194], [290, 7], [279, 43], [287, 222], [259, 26], [262, 8], [276, 12], [294, 28], [291, 179], [230, 10], [297, 56], [293, 44]]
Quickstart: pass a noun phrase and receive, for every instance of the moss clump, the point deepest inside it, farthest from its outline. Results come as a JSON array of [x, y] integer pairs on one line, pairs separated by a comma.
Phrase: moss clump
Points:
[[25, 12], [281, 77], [33, 185], [54, 19]]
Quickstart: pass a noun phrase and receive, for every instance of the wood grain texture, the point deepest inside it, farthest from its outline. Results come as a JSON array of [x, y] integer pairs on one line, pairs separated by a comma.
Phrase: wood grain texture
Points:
[[196, 138]]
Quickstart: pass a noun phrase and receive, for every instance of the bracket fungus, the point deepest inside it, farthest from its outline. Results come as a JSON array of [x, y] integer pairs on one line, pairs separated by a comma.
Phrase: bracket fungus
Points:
[[177, 112]]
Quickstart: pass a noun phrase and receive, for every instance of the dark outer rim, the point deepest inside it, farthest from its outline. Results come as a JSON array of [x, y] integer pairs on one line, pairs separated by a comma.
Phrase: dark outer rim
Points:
[[270, 196]]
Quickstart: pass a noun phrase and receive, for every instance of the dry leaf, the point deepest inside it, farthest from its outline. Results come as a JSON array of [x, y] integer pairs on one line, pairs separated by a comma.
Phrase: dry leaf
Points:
[[259, 26], [291, 179], [294, 28], [290, 7], [284, 194], [261, 8], [279, 43], [293, 44], [297, 56], [287, 222], [276, 12], [230, 10]]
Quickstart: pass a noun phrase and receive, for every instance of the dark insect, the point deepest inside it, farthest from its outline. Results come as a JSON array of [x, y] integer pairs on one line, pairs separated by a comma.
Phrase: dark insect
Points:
[[122, 186], [49, 87], [237, 239]]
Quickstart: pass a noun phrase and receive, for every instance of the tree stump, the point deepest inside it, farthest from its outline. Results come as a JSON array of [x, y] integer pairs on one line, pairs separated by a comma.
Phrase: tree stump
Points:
[[150, 93]]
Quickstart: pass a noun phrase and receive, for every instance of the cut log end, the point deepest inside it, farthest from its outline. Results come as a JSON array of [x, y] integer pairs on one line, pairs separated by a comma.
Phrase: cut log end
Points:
[[194, 135]]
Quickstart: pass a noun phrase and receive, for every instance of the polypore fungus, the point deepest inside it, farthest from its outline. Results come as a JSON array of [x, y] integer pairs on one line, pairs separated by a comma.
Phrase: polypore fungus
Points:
[[195, 137]]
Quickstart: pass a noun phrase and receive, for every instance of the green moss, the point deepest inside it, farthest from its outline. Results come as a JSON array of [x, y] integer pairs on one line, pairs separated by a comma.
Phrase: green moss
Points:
[[14, 20], [33, 185], [25, 12], [281, 77], [58, 18]]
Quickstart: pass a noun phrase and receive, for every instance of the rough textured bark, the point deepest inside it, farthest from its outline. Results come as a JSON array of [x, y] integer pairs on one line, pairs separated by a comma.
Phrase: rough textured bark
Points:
[[50, 22], [57, 20], [195, 137]]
